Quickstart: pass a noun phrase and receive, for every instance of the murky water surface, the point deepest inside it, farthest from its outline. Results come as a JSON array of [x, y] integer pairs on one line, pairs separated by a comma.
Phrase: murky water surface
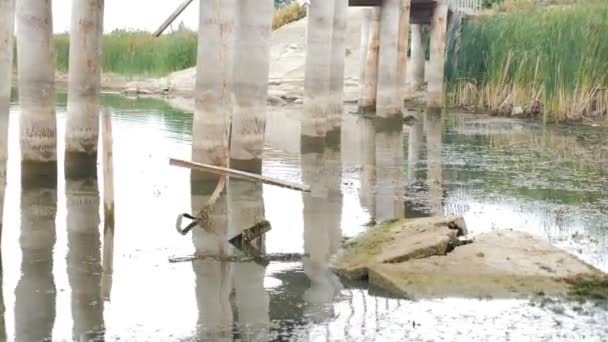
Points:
[[500, 174]]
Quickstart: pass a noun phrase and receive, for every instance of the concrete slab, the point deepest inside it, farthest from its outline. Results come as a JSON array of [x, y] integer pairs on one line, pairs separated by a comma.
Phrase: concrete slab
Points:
[[397, 242], [503, 264]]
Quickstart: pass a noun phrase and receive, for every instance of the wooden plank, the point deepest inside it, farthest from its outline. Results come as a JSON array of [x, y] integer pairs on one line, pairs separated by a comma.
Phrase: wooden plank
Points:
[[221, 171], [172, 18]]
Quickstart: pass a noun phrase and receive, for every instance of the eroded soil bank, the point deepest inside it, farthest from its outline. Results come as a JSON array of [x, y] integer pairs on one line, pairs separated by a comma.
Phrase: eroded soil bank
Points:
[[428, 258]]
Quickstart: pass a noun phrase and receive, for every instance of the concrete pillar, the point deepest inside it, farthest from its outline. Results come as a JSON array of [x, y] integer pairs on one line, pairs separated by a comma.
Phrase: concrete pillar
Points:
[[363, 46], [7, 21], [367, 99], [213, 88], [246, 208], [35, 293], [336, 77], [388, 104], [84, 256], [317, 69], [213, 279], [436, 69], [84, 84], [36, 74], [251, 68], [418, 59], [404, 36]]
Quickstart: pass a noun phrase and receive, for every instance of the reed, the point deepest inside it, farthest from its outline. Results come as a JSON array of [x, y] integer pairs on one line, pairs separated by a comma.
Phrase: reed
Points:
[[138, 53], [550, 60]]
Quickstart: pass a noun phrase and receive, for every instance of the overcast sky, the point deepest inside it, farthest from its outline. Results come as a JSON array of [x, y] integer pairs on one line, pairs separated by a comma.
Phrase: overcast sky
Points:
[[129, 14]]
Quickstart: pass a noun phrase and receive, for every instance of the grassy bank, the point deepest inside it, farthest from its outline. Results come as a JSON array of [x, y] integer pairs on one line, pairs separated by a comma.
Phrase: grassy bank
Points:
[[138, 53], [551, 61]]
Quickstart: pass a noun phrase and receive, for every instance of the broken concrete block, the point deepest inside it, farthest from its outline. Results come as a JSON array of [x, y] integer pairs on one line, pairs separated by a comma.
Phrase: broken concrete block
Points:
[[397, 242], [504, 264]]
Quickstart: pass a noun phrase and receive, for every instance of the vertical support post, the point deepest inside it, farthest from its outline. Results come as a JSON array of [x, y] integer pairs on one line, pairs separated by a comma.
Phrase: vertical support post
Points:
[[36, 74], [439, 28], [404, 36], [336, 78], [388, 104], [213, 88], [108, 205], [7, 23], [417, 60], [369, 91], [84, 84], [251, 68], [363, 46], [317, 69]]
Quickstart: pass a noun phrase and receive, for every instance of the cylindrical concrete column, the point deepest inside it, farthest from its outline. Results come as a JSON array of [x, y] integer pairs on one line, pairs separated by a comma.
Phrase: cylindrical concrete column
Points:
[[84, 83], [36, 74], [213, 88], [417, 59], [404, 36], [251, 67], [388, 104], [336, 78], [7, 21], [317, 69], [363, 45], [436, 70], [367, 100]]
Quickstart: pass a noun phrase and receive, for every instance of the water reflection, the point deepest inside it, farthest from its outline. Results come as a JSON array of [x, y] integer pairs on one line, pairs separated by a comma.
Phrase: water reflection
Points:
[[35, 293], [2, 190], [322, 169], [434, 130], [213, 278], [84, 255]]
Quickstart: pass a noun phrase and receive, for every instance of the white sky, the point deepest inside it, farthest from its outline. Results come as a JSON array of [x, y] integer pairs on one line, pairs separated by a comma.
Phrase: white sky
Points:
[[129, 14]]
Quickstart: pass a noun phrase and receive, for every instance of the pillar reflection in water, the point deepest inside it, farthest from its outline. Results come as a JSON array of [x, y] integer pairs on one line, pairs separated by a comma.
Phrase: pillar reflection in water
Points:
[[84, 254], [35, 293], [246, 205], [414, 188], [321, 168], [389, 160], [367, 194], [433, 125], [213, 277], [2, 307]]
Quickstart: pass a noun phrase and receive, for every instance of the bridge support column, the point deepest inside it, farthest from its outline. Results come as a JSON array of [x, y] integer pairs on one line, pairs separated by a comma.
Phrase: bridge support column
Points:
[[36, 73], [317, 69], [404, 33], [417, 60], [369, 66], [213, 87], [84, 85], [7, 21], [388, 103], [251, 68], [336, 77], [436, 71]]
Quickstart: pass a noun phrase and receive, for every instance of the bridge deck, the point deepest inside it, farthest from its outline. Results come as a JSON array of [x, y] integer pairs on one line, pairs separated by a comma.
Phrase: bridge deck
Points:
[[421, 10]]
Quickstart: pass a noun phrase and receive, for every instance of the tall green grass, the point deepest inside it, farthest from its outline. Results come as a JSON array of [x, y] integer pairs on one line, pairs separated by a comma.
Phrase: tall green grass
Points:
[[555, 56], [138, 53]]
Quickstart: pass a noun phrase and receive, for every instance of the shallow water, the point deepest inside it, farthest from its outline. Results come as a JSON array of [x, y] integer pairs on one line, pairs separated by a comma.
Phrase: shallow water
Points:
[[498, 173]]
